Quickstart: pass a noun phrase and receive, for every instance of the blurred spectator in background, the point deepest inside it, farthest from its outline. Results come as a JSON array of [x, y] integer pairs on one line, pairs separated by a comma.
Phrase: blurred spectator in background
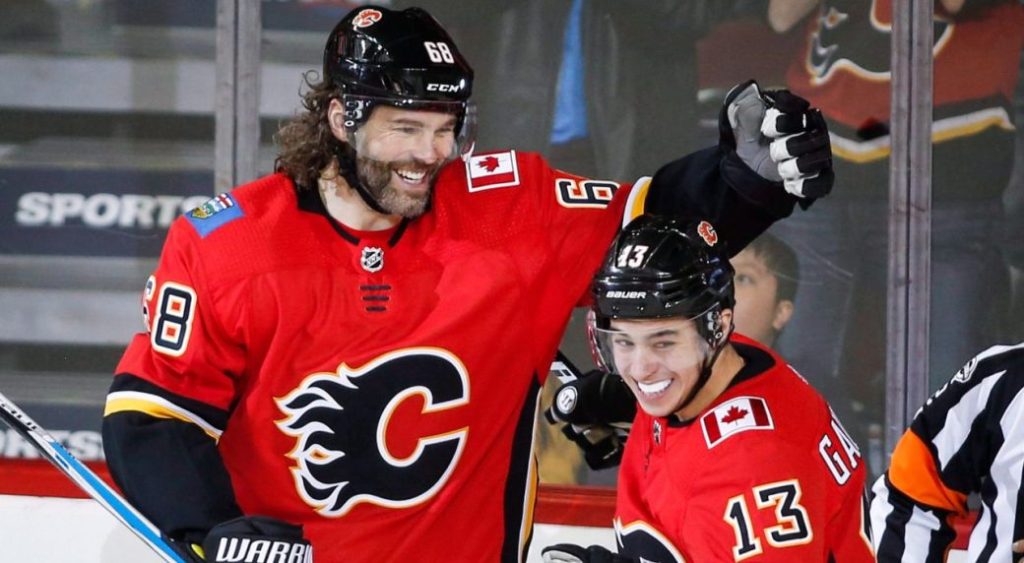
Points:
[[1014, 200], [766, 279], [838, 334], [735, 50], [606, 88]]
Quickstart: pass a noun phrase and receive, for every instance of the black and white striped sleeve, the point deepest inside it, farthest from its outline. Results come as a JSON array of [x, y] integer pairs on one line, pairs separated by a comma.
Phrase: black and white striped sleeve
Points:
[[968, 438]]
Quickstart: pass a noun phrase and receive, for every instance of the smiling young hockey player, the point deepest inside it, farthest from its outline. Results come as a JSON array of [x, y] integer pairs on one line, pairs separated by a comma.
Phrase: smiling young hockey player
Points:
[[732, 455]]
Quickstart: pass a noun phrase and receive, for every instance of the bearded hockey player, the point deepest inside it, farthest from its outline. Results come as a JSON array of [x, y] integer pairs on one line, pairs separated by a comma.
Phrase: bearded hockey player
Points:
[[732, 455], [352, 347]]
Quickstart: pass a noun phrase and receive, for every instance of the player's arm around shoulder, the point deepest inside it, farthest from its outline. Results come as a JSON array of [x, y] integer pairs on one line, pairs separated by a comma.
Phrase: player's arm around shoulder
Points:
[[520, 194], [773, 154], [568, 202], [518, 200]]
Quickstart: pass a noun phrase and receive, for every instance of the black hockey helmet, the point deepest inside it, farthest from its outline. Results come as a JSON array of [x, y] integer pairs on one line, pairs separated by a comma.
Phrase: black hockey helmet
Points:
[[661, 267], [399, 58]]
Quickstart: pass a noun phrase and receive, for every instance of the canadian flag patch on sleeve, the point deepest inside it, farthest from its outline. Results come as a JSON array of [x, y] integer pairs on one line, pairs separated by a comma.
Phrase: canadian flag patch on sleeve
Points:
[[490, 171], [735, 416]]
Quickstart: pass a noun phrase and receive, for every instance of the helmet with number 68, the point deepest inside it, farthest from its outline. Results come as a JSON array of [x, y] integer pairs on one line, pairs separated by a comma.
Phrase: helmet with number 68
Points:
[[403, 59]]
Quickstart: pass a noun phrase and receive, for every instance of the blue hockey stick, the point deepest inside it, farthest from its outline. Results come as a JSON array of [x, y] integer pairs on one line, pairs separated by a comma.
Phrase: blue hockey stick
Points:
[[88, 481]]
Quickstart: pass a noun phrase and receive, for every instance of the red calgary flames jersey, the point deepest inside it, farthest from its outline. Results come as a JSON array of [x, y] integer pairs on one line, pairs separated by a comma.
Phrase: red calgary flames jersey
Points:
[[844, 69], [382, 387], [766, 472]]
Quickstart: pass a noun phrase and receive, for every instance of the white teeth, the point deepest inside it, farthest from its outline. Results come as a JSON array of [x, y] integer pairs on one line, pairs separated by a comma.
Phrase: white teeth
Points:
[[410, 176], [654, 388]]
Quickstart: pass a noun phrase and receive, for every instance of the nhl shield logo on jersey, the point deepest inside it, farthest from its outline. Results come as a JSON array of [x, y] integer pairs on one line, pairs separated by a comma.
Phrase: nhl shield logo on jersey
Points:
[[965, 373], [356, 443], [372, 259]]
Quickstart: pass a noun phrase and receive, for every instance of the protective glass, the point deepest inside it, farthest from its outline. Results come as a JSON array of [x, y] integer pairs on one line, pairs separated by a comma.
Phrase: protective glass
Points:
[[634, 348], [358, 109]]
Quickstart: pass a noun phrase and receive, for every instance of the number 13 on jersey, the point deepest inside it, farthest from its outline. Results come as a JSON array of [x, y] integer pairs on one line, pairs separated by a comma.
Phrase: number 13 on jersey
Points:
[[792, 526]]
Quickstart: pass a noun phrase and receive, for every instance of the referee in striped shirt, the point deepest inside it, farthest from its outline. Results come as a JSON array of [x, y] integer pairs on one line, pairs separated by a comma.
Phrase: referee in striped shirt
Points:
[[967, 438]]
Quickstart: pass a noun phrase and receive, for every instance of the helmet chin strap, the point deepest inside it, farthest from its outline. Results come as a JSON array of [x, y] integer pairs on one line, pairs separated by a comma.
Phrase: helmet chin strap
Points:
[[705, 371], [346, 156]]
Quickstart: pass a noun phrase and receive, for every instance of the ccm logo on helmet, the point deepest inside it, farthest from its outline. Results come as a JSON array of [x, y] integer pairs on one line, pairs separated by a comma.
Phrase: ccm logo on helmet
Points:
[[442, 87], [613, 294], [707, 232], [366, 18]]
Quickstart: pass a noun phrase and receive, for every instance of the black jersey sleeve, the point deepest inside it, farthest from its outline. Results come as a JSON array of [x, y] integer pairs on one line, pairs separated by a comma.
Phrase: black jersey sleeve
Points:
[[167, 465], [714, 185]]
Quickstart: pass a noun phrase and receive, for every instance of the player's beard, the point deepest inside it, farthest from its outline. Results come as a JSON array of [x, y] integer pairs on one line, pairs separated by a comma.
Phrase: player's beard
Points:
[[375, 176]]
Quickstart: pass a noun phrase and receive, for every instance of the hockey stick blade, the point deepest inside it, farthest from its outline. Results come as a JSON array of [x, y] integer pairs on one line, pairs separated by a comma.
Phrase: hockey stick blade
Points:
[[87, 480]]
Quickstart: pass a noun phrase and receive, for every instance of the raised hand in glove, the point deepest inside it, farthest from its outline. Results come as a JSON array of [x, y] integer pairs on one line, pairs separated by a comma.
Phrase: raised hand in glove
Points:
[[598, 410], [252, 539], [570, 553], [780, 137]]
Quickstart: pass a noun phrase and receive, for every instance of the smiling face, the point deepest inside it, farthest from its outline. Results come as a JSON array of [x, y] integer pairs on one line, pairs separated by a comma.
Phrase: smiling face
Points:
[[659, 360], [399, 153]]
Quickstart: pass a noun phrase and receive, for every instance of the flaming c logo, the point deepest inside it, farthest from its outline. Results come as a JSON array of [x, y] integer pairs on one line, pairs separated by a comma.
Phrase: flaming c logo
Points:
[[854, 35], [366, 18], [707, 232], [340, 422]]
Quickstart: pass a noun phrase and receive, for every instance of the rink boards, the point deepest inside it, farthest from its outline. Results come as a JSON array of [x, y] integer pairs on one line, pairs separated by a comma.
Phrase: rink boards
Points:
[[40, 521]]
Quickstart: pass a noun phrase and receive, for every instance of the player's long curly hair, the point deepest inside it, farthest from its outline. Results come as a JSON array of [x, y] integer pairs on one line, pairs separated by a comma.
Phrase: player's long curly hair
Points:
[[307, 144]]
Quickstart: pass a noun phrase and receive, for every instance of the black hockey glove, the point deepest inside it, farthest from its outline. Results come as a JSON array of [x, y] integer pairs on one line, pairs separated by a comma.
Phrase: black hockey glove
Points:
[[598, 410], [570, 553], [780, 137], [252, 539]]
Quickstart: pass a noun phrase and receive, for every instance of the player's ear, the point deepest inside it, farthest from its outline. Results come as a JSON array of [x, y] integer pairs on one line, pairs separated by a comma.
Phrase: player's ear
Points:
[[783, 312], [336, 120]]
